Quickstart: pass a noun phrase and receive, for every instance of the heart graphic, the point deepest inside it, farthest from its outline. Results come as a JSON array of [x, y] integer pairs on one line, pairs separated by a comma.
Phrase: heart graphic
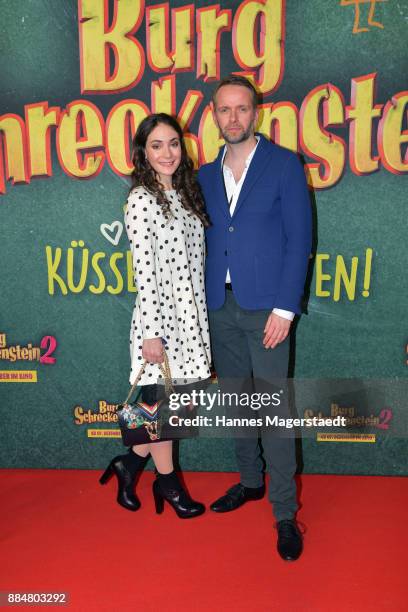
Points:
[[112, 232]]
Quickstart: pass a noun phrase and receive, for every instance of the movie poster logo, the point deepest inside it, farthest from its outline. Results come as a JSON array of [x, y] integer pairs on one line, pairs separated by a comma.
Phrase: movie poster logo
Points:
[[104, 413], [30, 352], [353, 420]]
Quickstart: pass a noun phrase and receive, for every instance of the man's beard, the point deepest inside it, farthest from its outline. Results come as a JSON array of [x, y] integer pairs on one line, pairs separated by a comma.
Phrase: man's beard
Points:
[[239, 137]]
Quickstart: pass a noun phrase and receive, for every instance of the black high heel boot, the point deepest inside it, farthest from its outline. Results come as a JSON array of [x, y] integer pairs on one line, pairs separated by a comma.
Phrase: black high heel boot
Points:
[[168, 487], [125, 468]]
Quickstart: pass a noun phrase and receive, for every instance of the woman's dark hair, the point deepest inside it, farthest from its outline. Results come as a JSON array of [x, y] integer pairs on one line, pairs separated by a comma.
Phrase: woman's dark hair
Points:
[[183, 179]]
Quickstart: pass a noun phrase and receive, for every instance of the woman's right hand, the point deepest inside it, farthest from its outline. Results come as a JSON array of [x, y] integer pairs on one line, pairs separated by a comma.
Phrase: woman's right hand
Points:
[[153, 350]]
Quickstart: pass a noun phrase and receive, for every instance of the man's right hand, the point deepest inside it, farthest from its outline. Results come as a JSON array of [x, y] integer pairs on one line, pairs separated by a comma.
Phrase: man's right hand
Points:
[[152, 350]]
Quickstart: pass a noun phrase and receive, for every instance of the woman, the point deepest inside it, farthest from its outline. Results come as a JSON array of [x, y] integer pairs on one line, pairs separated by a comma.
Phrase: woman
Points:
[[165, 220]]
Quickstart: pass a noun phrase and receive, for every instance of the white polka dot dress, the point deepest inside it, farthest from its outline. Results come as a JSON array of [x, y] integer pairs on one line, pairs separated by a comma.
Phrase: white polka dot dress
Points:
[[168, 263]]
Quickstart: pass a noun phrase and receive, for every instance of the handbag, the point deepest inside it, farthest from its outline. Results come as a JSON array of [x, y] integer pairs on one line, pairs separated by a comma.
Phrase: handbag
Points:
[[140, 423]]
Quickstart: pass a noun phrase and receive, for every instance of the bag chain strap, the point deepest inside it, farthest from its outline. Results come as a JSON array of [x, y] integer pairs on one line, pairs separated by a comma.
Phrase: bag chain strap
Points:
[[165, 370]]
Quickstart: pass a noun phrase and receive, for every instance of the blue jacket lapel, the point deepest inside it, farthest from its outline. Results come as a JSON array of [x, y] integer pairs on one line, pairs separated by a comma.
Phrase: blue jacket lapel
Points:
[[219, 185], [256, 168]]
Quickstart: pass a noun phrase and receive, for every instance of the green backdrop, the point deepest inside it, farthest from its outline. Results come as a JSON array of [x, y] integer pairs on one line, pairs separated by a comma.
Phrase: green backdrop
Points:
[[350, 352]]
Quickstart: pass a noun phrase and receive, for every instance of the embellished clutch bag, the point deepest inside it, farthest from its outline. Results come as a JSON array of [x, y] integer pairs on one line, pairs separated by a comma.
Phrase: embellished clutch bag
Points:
[[139, 422]]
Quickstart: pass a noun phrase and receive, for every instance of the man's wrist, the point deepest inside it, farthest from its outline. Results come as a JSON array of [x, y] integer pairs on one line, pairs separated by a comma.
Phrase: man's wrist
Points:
[[285, 314]]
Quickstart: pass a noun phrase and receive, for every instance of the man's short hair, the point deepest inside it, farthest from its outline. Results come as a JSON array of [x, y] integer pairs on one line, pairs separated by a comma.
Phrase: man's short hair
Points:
[[236, 79]]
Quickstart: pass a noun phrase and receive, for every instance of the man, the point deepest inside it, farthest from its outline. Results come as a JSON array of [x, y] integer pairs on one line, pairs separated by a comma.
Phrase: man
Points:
[[258, 249]]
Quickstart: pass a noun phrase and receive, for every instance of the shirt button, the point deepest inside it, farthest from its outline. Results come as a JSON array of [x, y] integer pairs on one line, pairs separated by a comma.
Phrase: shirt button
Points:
[[230, 229]]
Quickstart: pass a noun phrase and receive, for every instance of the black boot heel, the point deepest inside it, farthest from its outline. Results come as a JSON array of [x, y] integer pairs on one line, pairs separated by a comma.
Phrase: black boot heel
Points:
[[168, 487], [107, 475], [158, 498], [125, 469]]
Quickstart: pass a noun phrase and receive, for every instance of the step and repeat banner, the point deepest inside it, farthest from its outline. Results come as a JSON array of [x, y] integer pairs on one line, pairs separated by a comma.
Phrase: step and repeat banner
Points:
[[77, 77]]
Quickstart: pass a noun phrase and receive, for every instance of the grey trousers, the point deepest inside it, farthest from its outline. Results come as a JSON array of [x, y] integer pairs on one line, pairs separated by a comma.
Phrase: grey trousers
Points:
[[241, 362]]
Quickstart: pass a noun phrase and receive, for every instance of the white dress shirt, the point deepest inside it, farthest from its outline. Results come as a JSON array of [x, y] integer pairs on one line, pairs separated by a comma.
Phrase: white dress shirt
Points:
[[233, 190]]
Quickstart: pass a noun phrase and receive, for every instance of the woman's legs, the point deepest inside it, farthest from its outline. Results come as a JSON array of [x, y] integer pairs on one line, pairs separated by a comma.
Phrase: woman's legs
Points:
[[167, 485], [141, 449], [125, 468], [162, 454]]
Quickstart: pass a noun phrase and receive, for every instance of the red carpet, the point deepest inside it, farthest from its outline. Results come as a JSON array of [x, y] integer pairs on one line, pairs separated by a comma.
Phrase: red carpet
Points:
[[62, 531]]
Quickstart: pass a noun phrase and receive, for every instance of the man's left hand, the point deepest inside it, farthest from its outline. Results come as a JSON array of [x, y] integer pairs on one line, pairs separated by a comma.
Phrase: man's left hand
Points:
[[276, 330]]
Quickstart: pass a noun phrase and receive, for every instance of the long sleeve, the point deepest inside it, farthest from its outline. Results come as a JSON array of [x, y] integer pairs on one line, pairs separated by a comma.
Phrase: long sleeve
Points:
[[285, 314], [141, 231], [297, 226]]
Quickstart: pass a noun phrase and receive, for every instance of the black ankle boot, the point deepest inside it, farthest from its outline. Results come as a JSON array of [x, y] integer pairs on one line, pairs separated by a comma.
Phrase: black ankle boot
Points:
[[125, 467], [168, 487]]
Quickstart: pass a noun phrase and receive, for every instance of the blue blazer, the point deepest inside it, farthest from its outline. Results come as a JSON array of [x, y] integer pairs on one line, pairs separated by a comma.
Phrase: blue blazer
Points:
[[267, 241]]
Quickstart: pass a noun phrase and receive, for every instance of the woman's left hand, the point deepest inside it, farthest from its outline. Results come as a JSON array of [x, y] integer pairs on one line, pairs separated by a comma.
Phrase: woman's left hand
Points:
[[152, 350]]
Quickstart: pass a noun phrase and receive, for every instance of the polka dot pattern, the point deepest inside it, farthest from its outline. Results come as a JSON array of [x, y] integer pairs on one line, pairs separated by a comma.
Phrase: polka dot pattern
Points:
[[168, 262]]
